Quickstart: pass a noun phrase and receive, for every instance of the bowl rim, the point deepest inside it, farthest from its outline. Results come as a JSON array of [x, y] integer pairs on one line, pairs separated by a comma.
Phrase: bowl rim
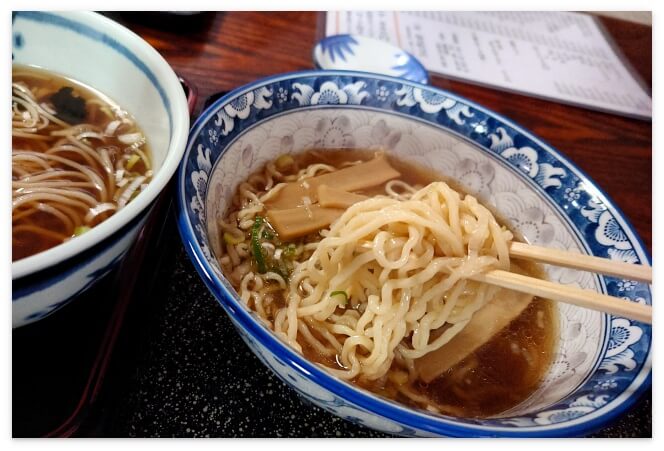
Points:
[[166, 76], [363, 399]]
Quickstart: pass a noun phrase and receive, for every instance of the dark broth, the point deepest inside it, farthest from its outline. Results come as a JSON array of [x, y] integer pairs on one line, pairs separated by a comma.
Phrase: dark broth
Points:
[[504, 371], [40, 230]]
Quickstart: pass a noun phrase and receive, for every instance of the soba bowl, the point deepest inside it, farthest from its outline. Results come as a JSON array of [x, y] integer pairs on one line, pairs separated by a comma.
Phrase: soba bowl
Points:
[[602, 363], [111, 59]]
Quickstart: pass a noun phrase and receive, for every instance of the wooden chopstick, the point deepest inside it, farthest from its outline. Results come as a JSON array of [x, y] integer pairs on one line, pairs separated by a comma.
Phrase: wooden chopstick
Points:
[[642, 273], [569, 294]]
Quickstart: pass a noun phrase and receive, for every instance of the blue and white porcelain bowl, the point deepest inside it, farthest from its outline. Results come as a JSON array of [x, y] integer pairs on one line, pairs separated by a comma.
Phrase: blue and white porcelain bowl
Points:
[[603, 362], [111, 59]]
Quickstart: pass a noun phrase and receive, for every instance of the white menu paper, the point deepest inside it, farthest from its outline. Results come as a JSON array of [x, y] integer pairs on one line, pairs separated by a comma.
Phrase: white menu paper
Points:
[[556, 55]]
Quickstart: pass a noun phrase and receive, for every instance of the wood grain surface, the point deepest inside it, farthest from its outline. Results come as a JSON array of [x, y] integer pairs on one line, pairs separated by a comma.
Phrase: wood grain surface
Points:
[[224, 50]]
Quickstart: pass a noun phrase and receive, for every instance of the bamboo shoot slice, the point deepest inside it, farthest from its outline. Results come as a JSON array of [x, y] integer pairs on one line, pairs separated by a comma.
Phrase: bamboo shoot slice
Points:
[[300, 221], [335, 198], [353, 178], [497, 314]]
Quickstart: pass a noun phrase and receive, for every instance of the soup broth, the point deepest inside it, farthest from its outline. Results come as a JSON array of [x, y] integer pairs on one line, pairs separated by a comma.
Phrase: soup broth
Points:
[[500, 374], [77, 158]]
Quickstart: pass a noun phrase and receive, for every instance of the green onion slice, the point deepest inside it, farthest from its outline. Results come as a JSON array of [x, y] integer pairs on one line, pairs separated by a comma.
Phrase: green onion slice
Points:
[[132, 161], [80, 230], [256, 247], [340, 293], [230, 239]]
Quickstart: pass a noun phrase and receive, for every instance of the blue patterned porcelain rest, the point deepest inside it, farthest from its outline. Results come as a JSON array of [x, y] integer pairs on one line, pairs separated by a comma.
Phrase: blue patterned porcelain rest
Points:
[[354, 52], [602, 363]]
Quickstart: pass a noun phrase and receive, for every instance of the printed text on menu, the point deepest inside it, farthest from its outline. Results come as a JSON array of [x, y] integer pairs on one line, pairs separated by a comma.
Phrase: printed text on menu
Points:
[[557, 55]]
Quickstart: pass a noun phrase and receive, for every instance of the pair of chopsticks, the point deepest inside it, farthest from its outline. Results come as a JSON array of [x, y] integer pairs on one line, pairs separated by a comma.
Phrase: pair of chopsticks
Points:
[[572, 295]]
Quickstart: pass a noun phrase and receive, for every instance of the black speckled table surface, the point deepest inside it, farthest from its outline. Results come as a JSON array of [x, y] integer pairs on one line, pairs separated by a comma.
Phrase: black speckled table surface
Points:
[[183, 371], [193, 376]]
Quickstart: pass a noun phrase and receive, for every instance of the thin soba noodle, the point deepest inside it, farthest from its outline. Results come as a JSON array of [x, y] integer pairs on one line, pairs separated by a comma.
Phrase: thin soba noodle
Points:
[[67, 177]]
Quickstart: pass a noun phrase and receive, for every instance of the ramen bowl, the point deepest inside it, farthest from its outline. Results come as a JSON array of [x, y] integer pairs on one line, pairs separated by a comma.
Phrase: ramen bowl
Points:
[[116, 62], [602, 363]]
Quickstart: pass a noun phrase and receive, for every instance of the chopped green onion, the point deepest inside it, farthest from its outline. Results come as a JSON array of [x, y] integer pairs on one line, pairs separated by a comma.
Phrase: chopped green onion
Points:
[[132, 161], [230, 239], [256, 247], [340, 293], [289, 250], [267, 235], [284, 161], [283, 272], [80, 230]]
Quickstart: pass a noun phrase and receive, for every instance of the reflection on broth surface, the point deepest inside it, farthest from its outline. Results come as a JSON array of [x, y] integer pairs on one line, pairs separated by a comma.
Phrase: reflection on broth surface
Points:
[[363, 263]]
